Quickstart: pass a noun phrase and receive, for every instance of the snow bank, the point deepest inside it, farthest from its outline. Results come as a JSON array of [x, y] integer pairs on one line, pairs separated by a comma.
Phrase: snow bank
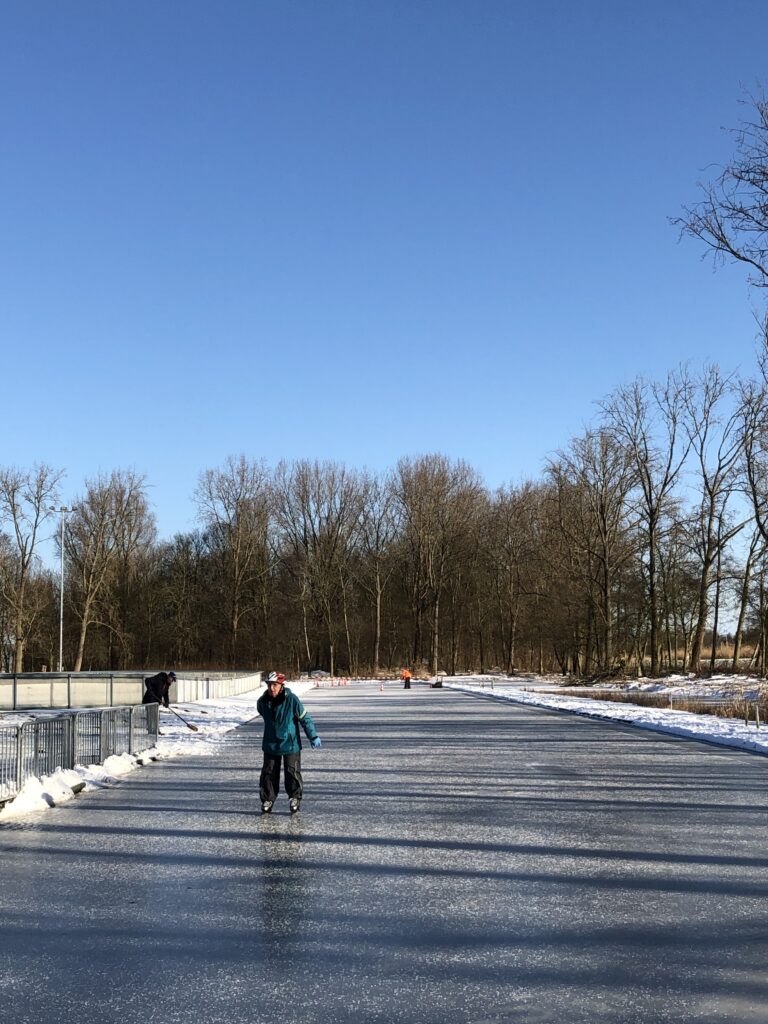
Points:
[[729, 732]]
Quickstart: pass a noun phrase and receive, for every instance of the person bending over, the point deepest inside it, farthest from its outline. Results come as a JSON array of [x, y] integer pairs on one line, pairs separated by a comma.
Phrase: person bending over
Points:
[[156, 688]]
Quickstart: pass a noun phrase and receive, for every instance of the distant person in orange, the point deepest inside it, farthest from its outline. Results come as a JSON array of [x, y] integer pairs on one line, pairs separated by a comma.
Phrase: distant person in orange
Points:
[[406, 677]]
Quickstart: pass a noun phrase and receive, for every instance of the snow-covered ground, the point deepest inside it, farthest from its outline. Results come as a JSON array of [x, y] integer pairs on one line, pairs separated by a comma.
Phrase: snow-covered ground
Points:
[[215, 718], [729, 732]]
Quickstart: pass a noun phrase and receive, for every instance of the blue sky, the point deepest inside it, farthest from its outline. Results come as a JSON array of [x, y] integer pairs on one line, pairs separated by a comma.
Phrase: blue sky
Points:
[[353, 230]]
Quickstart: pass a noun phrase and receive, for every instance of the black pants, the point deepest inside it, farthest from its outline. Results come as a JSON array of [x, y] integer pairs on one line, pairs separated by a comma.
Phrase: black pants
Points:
[[269, 783]]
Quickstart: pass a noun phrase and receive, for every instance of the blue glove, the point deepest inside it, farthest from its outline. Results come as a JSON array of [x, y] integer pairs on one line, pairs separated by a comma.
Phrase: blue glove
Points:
[[315, 743]]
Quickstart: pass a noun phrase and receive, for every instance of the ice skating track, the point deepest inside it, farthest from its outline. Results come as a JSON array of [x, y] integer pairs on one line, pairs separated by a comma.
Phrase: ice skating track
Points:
[[456, 861]]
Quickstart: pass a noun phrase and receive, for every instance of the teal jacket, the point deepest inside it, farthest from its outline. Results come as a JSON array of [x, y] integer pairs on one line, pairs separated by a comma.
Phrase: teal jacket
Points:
[[282, 717]]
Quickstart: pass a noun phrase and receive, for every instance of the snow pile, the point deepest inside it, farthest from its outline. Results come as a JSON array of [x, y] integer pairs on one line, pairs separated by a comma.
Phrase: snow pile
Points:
[[64, 784]]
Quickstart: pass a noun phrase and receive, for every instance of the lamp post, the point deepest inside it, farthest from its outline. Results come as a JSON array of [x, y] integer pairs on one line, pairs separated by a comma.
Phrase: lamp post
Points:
[[62, 512]]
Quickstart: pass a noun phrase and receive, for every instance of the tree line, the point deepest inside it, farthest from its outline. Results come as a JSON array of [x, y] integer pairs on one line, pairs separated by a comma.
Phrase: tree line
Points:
[[639, 537]]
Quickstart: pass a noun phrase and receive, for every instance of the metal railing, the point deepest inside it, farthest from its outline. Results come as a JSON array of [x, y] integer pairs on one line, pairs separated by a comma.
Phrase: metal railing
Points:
[[40, 746]]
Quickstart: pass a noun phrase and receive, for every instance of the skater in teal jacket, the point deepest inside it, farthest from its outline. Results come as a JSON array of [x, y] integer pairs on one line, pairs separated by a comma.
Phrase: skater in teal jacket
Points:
[[283, 714]]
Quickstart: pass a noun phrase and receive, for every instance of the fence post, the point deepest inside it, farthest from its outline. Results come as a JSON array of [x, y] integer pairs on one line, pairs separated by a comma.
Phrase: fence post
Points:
[[153, 712], [111, 690], [757, 714], [75, 734], [69, 689], [71, 731], [19, 749], [103, 736], [36, 726], [15, 691]]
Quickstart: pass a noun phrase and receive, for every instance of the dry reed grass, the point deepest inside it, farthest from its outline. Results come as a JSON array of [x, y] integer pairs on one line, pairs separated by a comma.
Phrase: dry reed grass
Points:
[[735, 708]]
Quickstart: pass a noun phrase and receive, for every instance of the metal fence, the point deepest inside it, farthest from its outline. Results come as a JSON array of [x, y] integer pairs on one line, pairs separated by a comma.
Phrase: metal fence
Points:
[[39, 747]]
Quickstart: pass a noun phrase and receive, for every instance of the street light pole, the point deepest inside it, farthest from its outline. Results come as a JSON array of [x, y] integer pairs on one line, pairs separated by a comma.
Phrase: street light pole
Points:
[[62, 512]]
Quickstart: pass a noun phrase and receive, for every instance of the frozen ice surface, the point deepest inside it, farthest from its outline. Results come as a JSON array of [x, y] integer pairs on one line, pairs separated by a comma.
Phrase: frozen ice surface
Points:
[[456, 860]]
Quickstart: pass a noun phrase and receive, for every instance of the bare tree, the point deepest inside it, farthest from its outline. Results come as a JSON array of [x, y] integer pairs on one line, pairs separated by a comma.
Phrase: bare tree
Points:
[[754, 556], [318, 508], [25, 505], [713, 426], [592, 480], [731, 218], [679, 579], [234, 505], [378, 528], [647, 418], [754, 437], [511, 547], [110, 520], [438, 501]]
